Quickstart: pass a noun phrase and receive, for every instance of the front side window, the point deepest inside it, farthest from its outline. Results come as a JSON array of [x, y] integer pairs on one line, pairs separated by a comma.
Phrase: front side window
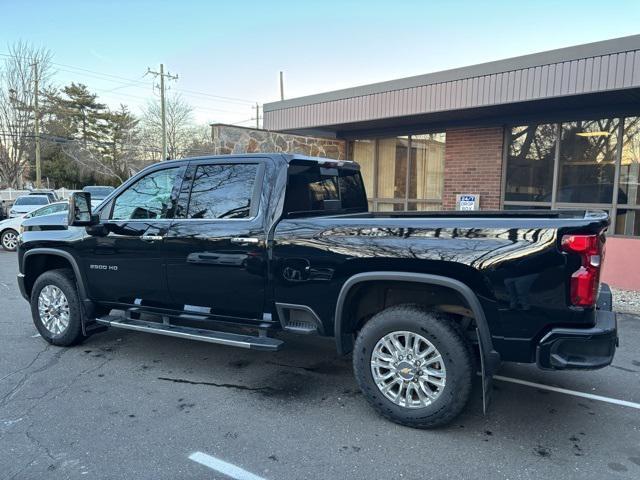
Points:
[[222, 191], [148, 198]]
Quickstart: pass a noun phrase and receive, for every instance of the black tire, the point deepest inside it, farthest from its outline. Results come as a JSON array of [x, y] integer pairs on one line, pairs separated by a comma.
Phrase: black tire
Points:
[[65, 281], [8, 234], [446, 336]]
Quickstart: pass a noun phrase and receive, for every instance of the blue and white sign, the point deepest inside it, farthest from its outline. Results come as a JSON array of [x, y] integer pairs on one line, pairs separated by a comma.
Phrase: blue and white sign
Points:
[[467, 201]]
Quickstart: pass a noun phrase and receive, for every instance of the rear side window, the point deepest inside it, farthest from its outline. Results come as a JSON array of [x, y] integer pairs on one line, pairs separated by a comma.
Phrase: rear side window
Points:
[[222, 191], [313, 188]]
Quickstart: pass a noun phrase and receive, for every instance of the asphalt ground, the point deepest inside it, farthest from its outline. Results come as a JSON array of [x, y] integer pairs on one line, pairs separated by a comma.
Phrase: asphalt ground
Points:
[[133, 405]]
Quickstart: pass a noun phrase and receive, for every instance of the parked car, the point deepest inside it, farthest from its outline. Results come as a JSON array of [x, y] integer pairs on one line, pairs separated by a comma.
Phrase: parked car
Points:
[[53, 196], [27, 203], [98, 193], [211, 248], [10, 229]]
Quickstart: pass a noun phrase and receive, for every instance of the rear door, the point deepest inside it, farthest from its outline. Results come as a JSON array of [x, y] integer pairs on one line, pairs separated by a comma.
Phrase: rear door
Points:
[[216, 257]]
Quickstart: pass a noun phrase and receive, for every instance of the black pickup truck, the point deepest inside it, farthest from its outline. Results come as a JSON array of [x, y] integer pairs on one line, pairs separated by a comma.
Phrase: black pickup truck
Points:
[[233, 249]]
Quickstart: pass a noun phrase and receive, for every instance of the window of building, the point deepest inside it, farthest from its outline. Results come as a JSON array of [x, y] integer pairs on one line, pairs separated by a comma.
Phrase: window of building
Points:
[[222, 191], [587, 161], [590, 156], [629, 193], [402, 173], [530, 157]]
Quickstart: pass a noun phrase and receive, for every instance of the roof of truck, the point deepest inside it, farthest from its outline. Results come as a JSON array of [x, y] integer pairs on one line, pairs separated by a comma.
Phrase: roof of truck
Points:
[[288, 157]]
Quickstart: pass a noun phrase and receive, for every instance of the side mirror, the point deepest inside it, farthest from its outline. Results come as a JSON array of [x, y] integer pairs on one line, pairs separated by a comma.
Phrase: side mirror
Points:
[[80, 210]]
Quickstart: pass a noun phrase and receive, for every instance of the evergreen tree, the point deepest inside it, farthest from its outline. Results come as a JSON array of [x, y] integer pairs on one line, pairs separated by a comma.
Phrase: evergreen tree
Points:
[[83, 112]]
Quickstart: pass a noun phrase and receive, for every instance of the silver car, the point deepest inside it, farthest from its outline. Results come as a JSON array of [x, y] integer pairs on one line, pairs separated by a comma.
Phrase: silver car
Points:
[[9, 229], [27, 203]]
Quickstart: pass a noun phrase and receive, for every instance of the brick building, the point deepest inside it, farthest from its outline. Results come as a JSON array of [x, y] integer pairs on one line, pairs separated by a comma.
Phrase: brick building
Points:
[[551, 130]]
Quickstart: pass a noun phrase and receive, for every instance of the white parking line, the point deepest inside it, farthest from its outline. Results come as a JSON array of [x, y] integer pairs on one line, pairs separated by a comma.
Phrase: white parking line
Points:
[[226, 468], [590, 396]]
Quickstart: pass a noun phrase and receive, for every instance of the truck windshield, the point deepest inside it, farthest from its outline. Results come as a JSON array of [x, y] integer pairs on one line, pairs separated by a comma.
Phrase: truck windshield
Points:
[[316, 188]]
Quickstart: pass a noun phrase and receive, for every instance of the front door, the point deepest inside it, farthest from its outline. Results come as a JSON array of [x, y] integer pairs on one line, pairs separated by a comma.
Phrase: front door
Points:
[[216, 256], [125, 264]]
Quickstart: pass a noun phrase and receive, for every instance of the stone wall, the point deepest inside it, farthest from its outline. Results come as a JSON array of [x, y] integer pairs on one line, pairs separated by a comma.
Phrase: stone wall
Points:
[[232, 139]]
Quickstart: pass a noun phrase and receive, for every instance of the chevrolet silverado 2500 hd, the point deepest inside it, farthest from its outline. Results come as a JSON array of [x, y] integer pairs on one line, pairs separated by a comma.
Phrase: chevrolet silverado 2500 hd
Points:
[[232, 249]]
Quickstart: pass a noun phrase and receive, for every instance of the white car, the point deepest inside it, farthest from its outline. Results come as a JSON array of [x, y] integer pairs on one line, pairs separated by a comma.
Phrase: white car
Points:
[[27, 203], [98, 193], [9, 229]]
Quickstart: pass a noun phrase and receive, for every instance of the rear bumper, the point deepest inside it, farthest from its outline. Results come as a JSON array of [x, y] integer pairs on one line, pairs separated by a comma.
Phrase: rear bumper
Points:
[[582, 348]]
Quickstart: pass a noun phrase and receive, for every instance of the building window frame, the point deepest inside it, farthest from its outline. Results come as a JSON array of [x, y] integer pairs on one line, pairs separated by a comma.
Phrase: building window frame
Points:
[[375, 200], [612, 208]]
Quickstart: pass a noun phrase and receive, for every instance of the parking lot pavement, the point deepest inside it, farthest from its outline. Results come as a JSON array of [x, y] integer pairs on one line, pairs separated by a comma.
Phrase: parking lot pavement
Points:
[[133, 405]]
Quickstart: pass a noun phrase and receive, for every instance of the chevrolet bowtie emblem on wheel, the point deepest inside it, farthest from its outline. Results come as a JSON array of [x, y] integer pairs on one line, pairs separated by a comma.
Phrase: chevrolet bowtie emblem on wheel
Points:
[[405, 371]]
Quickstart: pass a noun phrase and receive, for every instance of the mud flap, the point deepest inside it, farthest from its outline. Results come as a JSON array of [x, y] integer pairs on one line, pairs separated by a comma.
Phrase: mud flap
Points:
[[488, 363]]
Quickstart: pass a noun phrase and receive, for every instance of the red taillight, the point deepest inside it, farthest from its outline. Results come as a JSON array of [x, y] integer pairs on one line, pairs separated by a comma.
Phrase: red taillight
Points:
[[584, 281]]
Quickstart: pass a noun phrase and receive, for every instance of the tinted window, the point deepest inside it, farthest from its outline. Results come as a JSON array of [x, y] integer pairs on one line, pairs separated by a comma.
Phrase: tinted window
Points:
[[629, 192], [222, 191], [315, 188], [530, 160], [149, 197], [587, 161], [31, 200], [98, 193]]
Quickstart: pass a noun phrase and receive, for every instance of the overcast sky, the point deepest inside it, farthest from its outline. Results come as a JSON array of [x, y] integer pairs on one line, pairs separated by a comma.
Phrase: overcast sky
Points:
[[236, 48]]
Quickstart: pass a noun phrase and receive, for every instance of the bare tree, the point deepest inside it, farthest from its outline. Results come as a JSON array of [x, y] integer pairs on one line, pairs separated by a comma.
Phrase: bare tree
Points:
[[179, 116], [16, 108]]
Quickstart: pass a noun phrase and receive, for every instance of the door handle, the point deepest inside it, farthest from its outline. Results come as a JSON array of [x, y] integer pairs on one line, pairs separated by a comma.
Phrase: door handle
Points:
[[151, 238], [245, 240]]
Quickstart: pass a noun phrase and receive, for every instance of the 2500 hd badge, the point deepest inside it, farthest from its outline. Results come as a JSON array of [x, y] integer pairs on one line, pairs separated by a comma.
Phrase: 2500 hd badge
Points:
[[103, 267]]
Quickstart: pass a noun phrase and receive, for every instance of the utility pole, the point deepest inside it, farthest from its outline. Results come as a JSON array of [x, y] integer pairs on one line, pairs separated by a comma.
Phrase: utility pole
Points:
[[36, 110], [163, 113], [281, 86], [257, 117]]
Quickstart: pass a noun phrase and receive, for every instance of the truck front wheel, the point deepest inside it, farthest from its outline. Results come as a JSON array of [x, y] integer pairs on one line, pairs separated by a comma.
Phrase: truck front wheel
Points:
[[56, 309], [414, 366]]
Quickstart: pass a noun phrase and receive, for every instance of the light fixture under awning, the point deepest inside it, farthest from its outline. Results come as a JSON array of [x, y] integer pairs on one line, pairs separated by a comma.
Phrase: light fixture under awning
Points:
[[593, 134]]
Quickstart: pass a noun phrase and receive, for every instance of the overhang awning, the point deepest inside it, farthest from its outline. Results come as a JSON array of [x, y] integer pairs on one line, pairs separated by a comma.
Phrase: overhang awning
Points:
[[602, 75]]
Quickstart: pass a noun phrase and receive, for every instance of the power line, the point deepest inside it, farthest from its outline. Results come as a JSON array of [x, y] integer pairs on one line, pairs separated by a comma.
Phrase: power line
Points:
[[163, 118], [243, 121], [257, 118], [104, 90]]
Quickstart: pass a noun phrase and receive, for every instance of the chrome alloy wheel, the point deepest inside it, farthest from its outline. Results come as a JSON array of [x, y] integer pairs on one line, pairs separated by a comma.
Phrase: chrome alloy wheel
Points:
[[53, 307], [10, 240], [408, 369]]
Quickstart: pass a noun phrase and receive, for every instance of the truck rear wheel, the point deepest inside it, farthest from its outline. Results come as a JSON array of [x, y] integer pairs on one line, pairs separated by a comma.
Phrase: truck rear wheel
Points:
[[414, 366], [56, 309]]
